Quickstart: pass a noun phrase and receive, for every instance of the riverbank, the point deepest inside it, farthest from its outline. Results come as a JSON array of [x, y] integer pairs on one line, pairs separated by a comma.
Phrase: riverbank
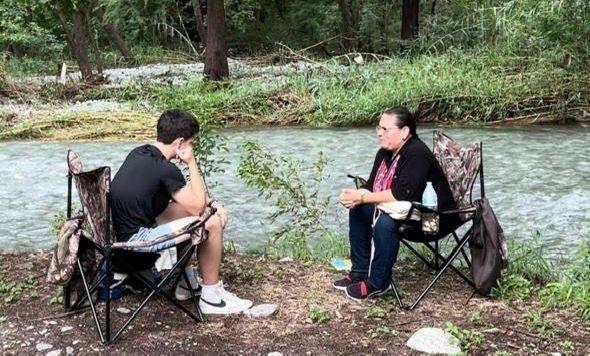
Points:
[[456, 88], [312, 318]]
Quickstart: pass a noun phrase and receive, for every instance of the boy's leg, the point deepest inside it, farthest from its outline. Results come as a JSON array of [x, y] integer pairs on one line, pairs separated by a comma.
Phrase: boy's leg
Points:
[[209, 251]]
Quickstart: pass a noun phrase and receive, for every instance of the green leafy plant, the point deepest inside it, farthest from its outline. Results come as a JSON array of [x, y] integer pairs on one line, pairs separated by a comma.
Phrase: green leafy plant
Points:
[[381, 331], [467, 339], [375, 312], [317, 315], [295, 188], [13, 291]]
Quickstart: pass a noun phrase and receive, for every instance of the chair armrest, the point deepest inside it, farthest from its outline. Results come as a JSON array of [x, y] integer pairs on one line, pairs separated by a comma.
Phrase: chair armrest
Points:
[[424, 209], [359, 181]]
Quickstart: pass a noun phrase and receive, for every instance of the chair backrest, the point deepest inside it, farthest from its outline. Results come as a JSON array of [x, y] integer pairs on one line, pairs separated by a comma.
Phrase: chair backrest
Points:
[[460, 165], [93, 188]]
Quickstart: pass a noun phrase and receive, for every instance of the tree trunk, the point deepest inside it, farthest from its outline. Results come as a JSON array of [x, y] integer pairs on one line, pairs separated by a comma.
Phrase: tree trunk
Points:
[[346, 25], [281, 6], [114, 35], [199, 19], [88, 10], [410, 17], [76, 38], [216, 66]]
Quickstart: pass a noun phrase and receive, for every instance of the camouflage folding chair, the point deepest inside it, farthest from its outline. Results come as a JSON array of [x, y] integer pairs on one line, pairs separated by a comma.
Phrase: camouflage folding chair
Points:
[[94, 192], [461, 166]]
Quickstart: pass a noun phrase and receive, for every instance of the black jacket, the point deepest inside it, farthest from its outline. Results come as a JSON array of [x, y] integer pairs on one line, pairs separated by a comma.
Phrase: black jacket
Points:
[[416, 166]]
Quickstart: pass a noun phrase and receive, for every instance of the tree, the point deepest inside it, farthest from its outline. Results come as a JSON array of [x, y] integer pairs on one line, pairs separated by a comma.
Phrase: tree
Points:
[[410, 17], [202, 31], [73, 21], [347, 25], [216, 66]]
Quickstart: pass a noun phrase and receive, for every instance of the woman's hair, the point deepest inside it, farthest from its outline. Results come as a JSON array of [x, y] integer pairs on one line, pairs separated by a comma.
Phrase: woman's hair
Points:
[[175, 123], [404, 118]]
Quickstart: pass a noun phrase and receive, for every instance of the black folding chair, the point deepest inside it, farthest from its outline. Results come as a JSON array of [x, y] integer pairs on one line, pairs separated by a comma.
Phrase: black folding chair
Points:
[[461, 166], [94, 192]]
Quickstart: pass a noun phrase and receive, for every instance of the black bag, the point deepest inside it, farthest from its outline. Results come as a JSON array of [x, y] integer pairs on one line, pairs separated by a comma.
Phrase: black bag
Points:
[[489, 254]]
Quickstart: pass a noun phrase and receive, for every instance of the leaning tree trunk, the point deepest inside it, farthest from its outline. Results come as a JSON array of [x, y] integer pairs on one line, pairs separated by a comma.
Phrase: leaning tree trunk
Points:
[[76, 38], [216, 66], [199, 20], [88, 10], [410, 17], [346, 25], [114, 35]]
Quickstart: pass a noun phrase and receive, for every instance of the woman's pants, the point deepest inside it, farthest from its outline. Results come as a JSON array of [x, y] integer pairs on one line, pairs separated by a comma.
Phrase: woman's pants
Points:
[[373, 249]]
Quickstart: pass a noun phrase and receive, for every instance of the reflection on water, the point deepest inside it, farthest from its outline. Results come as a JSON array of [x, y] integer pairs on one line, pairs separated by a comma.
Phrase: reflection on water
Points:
[[536, 179]]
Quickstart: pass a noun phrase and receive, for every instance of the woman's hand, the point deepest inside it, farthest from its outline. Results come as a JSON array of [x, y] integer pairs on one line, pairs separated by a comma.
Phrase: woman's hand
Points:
[[350, 197]]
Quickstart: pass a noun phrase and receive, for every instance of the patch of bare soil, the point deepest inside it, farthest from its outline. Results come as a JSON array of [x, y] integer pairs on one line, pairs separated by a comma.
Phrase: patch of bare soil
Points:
[[352, 328]]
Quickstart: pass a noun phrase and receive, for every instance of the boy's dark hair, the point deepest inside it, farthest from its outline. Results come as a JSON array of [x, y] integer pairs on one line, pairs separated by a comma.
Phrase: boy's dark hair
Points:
[[404, 118], [175, 123]]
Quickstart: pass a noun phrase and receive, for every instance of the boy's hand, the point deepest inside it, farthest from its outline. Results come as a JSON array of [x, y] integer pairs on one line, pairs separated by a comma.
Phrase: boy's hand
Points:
[[186, 155]]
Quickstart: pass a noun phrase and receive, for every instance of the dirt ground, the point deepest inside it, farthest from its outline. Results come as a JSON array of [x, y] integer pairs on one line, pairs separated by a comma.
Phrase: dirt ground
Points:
[[348, 328]]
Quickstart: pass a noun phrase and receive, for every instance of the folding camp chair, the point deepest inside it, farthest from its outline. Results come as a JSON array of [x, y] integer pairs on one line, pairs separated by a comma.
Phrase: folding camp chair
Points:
[[94, 192], [461, 166]]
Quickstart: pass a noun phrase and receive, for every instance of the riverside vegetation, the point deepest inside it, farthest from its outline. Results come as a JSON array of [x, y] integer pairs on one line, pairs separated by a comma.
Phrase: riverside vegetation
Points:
[[472, 63]]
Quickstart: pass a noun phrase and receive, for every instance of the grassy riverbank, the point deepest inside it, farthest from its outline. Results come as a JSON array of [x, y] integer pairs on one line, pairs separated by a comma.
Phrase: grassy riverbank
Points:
[[454, 88], [312, 318]]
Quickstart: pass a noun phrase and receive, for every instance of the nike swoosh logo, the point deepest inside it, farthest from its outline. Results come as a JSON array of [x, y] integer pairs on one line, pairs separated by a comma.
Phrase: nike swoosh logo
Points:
[[218, 305]]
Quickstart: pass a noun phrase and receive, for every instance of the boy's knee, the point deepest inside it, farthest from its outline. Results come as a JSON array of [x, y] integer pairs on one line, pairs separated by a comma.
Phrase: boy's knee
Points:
[[213, 225]]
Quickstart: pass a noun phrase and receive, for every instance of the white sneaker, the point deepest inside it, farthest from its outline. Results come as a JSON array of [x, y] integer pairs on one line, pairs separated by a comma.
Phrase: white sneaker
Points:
[[228, 303], [182, 291]]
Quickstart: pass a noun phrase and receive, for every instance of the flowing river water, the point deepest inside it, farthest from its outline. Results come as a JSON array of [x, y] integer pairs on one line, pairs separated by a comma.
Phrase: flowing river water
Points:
[[537, 179]]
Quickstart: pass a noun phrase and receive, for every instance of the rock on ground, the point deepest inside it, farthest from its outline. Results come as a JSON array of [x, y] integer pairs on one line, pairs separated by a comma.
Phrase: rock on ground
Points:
[[262, 310], [434, 341]]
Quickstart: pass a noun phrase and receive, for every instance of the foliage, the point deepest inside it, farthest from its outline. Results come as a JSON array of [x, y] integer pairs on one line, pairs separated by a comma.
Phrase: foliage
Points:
[[381, 331], [527, 260], [375, 312], [22, 28], [538, 322], [467, 339], [317, 315], [530, 275], [13, 291], [293, 185]]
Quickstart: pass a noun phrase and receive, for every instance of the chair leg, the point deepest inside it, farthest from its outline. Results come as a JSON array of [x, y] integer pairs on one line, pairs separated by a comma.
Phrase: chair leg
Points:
[[91, 302], [448, 263], [81, 299], [108, 288], [194, 298], [396, 293], [462, 250], [158, 289]]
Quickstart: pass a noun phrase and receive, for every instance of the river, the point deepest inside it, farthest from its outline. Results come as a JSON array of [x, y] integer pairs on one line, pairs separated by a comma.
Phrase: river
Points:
[[537, 179]]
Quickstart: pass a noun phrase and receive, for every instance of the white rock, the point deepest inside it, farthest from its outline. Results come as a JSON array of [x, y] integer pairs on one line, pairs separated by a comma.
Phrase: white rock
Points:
[[434, 341], [69, 350], [43, 332], [123, 310], [42, 346], [66, 328], [53, 353], [275, 353], [75, 342], [262, 310], [286, 259]]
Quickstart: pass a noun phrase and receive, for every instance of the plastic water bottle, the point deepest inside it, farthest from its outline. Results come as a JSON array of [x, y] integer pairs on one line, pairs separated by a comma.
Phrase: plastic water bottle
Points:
[[430, 220]]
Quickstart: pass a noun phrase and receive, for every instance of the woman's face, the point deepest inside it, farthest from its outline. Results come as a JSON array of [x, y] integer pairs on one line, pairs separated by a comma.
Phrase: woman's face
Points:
[[390, 136]]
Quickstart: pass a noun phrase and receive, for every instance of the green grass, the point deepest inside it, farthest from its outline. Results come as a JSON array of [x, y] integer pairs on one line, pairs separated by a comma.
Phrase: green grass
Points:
[[530, 275], [459, 87]]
